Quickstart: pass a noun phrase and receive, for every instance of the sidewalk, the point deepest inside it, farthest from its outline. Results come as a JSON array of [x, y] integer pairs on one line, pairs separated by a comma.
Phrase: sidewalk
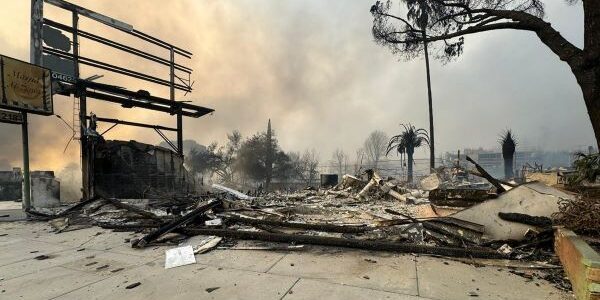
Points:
[[95, 263], [11, 211]]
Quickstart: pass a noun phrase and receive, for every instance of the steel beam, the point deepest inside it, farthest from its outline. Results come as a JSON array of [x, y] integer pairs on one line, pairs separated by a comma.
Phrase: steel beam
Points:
[[26, 177], [119, 25], [126, 102], [113, 68], [117, 121], [117, 45]]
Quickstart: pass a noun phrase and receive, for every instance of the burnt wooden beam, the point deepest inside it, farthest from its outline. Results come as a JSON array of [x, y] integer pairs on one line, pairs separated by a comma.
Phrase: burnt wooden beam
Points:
[[526, 219], [348, 243], [487, 176], [133, 208], [176, 223], [308, 226]]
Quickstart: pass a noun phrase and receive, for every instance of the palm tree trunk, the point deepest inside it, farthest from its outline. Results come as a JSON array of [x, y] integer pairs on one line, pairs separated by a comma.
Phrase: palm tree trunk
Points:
[[508, 167], [410, 167], [431, 138]]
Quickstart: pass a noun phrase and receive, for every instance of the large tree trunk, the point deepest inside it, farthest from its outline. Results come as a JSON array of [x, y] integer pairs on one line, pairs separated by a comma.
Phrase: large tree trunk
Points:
[[589, 81], [410, 166], [585, 64], [588, 71]]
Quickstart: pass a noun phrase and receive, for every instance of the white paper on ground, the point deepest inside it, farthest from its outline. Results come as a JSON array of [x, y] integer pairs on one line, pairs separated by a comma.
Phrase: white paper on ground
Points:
[[215, 222], [179, 256]]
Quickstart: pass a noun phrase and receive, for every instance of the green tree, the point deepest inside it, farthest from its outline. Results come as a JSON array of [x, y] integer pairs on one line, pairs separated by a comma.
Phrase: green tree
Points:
[[216, 160], [448, 21], [405, 144], [203, 160], [587, 167], [253, 159]]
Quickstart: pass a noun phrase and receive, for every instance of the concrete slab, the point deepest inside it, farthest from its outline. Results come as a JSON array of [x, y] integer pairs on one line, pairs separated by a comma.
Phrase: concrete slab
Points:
[[187, 282], [439, 279], [326, 273], [534, 198], [29, 266], [249, 260], [24, 228], [391, 273], [10, 215], [26, 250], [315, 289], [108, 263], [46, 284], [89, 238], [152, 251], [8, 238], [6, 205]]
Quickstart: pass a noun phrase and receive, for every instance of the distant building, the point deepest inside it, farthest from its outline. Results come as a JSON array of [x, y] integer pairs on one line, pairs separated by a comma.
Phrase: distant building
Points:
[[492, 160]]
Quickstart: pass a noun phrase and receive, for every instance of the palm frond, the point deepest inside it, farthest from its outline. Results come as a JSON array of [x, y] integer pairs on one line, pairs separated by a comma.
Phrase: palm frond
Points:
[[508, 142], [408, 140]]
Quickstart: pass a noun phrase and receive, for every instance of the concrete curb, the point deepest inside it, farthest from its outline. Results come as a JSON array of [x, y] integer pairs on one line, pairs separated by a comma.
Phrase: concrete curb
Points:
[[581, 263]]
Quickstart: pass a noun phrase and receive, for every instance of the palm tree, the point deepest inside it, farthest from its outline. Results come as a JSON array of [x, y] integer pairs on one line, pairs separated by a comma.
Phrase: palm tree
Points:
[[406, 142], [509, 144]]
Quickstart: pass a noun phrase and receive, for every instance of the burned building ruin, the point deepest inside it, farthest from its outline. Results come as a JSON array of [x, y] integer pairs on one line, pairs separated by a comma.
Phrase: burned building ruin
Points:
[[10, 185], [134, 170]]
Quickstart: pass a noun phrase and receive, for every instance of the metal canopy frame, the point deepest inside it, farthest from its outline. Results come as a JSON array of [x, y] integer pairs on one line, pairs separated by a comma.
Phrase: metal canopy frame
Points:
[[83, 89], [129, 99]]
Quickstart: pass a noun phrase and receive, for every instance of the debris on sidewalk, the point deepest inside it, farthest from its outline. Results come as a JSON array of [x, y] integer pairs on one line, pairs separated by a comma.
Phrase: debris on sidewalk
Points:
[[133, 285], [179, 256], [442, 215], [203, 245], [237, 194]]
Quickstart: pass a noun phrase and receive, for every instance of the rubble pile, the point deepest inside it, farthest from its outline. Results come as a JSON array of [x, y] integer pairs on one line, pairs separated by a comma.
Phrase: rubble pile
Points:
[[581, 214], [442, 215]]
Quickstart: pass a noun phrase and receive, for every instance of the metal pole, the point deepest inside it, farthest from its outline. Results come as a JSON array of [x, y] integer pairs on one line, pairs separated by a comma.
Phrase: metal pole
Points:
[[180, 133], [80, 93], [172, 77], [431, 136], [84, 144], [76, 45], [26, 179], [179, 116], [35, 42]]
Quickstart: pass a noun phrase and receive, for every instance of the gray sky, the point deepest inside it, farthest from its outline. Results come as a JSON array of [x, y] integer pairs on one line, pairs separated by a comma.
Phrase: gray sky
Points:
[[313, 68]]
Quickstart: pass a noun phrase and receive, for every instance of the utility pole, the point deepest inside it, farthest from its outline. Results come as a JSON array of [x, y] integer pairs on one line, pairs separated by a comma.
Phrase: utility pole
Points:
[[431, 138], [35, 57], [26, 178]]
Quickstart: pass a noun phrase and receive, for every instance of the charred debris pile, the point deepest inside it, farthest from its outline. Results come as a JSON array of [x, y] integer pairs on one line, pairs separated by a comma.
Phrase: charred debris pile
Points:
[[441, 215]]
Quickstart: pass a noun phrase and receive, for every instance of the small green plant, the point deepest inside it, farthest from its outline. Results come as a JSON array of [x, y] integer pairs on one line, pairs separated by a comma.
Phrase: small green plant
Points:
[[587, 167]]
